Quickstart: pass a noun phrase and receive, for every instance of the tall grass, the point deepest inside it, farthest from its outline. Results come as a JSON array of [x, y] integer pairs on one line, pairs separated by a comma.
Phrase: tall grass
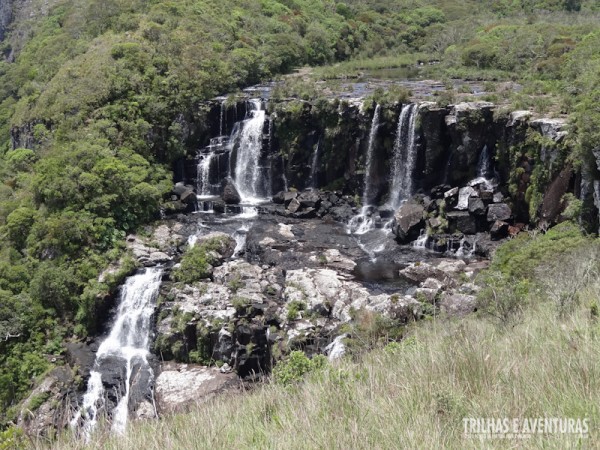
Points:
[[409, 395]]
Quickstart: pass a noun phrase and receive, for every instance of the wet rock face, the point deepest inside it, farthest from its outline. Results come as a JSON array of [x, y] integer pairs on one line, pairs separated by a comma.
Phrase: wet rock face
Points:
[[230, 195], [408, 222]]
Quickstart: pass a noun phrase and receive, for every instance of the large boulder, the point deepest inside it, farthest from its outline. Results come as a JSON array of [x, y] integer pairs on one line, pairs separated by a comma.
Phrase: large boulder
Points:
[[230, 195], [462, 221], [458, 305], [499, 211], [408, 222], [476, 206], [309, 199], [181, 386]]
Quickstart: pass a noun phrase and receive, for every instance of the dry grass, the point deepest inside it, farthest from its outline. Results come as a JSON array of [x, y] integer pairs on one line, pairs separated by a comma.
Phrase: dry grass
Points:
[[413, 395]]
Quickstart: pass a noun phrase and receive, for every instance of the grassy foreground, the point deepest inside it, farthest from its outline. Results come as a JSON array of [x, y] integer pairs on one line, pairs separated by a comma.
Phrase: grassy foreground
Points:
[[542, 362]]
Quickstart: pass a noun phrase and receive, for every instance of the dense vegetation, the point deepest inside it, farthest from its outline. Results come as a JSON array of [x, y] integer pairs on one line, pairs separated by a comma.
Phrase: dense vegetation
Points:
[[97, 98]]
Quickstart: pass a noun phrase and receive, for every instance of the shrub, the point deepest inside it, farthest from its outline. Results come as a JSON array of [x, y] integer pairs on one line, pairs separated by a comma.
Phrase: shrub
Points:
[[198, 261], [294, 368]]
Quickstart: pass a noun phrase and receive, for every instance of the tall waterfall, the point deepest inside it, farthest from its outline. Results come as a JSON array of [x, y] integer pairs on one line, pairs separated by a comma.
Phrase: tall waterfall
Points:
[[363, 222], [314, 164], [405, 157], [247, 171], [367, 190], [203, 180], [484, 165], [221, 118], [126, 349]]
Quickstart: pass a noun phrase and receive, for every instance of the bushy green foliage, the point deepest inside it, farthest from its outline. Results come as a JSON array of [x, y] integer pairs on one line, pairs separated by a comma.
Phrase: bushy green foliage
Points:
[[197, 262], [295, 367], [518, 257]]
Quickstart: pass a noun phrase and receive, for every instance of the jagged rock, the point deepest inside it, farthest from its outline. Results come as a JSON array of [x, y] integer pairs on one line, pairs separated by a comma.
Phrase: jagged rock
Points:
[[451, 193], [293, 206], [308, 213], [289, 196], [40, 419], [80, 355], [498, 197], [252, 356], [487, 196], [476, 206], [335, 260], [309, 199], [464, 194], [518, 116], [181, 386], [499, 230], [408, 222], [458, 305], [190, 199], [337, 348], [219, 206], [500, 211], [279, 198], [451, 267], [432, 283], [421, 271], [426, 294], [157, 258], [230, 195], [181, 188], [462, 221]]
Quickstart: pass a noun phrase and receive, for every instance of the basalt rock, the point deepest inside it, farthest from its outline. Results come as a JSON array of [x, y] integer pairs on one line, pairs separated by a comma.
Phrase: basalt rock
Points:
[[408, 221], [499, 230], [500, 211], [230, 195]]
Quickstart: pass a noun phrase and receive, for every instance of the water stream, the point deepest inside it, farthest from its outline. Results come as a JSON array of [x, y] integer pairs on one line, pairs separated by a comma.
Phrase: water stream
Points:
[[126, 350]]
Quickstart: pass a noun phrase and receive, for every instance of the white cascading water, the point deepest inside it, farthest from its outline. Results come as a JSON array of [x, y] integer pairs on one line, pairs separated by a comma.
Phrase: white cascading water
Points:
[[314, 166], [484, 165], [247, 171], [240, 237], [127, 343], [363, 222], [203, 180], [405, 158], [421, 242], [222, 118]]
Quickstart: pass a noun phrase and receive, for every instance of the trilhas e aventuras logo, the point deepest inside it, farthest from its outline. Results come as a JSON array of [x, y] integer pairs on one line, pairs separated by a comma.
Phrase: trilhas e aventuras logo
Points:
[[499, 428]]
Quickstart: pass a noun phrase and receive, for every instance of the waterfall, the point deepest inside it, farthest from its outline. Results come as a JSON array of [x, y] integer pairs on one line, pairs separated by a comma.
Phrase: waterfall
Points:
[[421, 242], [247, 171], [313, 166], [125, 349], [283, 177], [484, 165], [203, 181], [363, 222], [221, 118], [240, 236], [369, 161], [405, 158]]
